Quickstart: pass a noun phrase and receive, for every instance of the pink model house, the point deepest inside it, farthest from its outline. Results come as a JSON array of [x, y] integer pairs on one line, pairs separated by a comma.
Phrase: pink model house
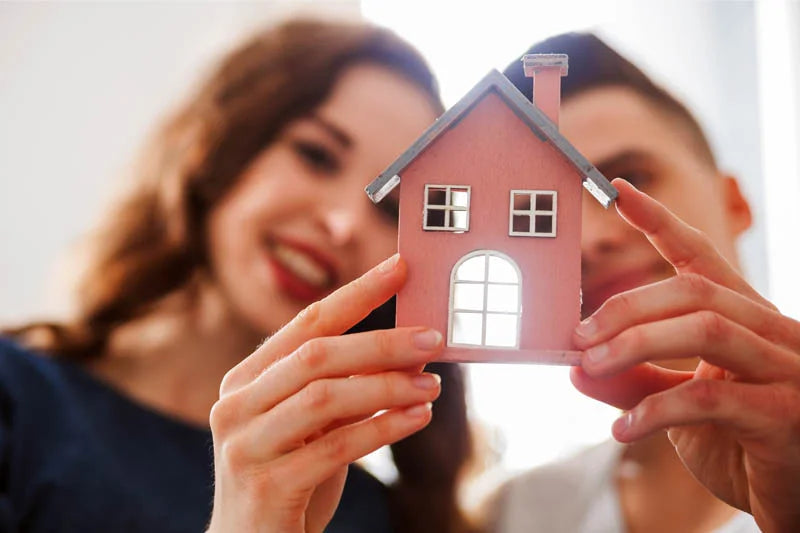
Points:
[[490, 222]]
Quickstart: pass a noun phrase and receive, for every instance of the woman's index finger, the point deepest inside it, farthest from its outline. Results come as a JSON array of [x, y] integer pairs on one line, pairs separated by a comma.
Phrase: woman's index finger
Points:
[[333, 315], [686, 249]]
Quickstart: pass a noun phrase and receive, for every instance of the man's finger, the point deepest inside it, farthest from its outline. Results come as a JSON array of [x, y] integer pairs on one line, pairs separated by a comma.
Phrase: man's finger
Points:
[[680, 295], [686, 249], [626, 389], [703, 334]]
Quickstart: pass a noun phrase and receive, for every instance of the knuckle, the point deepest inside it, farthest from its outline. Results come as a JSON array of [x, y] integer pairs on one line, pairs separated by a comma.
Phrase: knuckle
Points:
[[233, 454], [704, 395], [389, 386], [312, 354], [698, 287], [227, 385], [712, 326], [221, 418], [631, 341], [623, 304], [384, 342], [317, 395], [706, 244], [334, 447], [649, 409], [309, 318]]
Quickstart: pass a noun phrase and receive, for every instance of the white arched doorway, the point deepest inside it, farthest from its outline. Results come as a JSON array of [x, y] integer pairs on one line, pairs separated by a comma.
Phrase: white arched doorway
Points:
[[485, 301]]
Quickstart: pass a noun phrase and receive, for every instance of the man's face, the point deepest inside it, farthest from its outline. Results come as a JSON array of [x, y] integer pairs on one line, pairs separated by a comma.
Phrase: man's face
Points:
[[626, 136]]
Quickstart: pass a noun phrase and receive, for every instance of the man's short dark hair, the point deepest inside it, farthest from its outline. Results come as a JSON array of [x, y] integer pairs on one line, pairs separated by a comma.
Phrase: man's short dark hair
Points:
[[593, 64]]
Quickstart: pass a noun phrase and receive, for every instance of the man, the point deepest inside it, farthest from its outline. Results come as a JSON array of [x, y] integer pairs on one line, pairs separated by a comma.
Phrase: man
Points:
[[732, 419]]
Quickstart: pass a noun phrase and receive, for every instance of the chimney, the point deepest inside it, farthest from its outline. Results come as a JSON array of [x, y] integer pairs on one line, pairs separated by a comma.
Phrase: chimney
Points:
[[546, 71]]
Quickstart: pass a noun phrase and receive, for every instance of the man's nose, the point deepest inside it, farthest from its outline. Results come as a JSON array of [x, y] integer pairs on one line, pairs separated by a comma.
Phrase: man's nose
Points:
[[603, 231]]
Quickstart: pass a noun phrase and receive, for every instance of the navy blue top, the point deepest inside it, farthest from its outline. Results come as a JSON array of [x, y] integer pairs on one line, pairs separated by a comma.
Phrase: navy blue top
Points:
[[76, 455]]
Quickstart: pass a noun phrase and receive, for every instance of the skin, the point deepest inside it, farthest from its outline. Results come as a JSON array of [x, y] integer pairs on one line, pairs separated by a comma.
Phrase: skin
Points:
[[289, 418], [308, 188], [294, 414], [677, 295]]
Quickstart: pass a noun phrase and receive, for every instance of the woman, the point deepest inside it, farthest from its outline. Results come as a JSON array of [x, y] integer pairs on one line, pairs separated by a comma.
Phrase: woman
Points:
[[248, 207]]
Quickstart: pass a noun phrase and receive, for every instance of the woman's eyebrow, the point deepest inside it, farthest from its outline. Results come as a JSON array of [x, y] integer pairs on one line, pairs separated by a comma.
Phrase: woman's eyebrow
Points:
[[335, 131]]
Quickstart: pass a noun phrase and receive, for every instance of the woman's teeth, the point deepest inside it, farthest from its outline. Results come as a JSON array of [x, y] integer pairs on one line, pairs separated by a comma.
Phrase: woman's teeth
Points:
[[301, 265]]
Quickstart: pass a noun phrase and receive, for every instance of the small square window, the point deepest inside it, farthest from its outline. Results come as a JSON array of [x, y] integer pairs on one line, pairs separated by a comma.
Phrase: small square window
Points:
[[446, 208], [468, 296], [437, 196], [544, 224], [435, 218], [522, 224], [522, 202], [504, 298], [459, 198], [532, 213], [467, 328], [501, 330], [544, 202], [458, 220]]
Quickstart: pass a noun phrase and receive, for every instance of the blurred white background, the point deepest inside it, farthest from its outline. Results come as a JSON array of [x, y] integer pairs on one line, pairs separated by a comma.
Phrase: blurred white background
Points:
[[81, 85]]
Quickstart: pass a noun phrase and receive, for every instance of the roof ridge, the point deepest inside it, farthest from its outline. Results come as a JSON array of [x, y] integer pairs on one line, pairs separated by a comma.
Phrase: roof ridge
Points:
[[540, 125]]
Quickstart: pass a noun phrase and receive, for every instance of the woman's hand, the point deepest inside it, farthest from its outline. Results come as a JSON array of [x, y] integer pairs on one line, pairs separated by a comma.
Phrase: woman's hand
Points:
[[735, 421], [297, 411]]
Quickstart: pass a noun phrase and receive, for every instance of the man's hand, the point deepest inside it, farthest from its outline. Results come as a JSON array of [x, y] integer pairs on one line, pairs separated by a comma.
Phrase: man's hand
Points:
[[735, 421]]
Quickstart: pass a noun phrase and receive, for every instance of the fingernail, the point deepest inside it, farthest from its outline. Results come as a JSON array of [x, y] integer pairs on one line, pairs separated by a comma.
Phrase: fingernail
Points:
[[427, 339], [388, 265], [426, 381], [587, 328], [623, 423], [597, 354], [419, 411]]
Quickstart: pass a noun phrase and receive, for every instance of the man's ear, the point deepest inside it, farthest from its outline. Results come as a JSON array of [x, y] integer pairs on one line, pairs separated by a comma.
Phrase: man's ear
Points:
[[737, 208]]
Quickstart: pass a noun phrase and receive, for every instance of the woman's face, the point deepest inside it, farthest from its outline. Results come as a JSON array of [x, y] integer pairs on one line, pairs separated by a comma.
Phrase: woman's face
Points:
[[297, 224]]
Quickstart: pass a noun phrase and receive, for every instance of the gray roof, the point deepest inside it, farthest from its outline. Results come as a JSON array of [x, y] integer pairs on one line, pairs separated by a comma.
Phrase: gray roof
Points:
[[539, 124]]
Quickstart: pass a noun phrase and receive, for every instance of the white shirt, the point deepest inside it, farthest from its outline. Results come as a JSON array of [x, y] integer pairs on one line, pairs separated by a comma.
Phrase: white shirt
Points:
[[577, 495]]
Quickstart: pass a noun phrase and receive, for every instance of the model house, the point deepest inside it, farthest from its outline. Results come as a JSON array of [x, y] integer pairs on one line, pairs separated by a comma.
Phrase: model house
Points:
[[490, 222]]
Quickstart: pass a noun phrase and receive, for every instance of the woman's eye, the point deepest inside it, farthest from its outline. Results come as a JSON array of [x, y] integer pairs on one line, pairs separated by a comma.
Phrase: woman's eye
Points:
[[317, 157]]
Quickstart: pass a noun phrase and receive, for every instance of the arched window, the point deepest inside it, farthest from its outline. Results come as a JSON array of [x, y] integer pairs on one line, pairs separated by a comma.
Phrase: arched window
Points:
[[485, 307]]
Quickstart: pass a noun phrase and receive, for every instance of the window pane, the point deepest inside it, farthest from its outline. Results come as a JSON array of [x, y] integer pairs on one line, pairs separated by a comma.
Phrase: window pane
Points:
[[458, 219], [467, 328], [468, 296], [522, 201], [459, 197], [472, 269], [501, 270], [521, 224], [436, 196], [435, 218], [501, 330], [544, 201], [503, 298], [544, 223]]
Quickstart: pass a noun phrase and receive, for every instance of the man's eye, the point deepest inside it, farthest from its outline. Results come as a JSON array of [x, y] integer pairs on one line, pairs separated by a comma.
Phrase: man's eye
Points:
[[317, 157], [637, 178]]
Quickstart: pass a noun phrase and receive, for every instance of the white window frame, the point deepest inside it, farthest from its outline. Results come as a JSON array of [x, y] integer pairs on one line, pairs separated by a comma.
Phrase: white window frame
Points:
[[447, 208], [452, 310], [532, 213]]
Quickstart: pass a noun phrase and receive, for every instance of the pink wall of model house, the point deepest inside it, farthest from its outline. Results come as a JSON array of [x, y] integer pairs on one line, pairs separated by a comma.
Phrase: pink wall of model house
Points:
[[493, 151]]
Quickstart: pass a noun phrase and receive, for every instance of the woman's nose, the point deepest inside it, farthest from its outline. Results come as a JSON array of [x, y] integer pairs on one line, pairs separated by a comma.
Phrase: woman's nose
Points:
[[340, 223]]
